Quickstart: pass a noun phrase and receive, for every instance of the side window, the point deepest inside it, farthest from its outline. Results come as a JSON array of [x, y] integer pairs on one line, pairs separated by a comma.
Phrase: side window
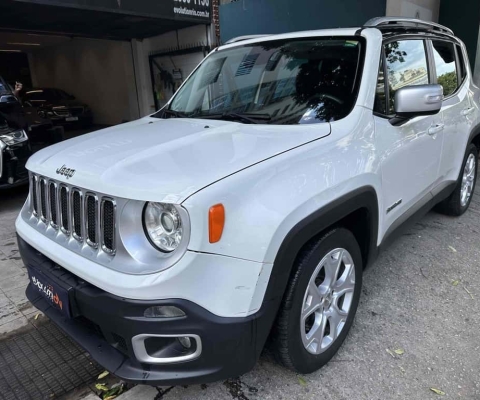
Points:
[[445, 66], [406, 66], [380, 105]]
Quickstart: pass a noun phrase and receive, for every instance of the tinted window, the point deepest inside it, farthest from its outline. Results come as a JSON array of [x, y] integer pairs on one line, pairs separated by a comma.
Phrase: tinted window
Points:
[[4, 87], [282, 82], [444, 56], [406, 66]]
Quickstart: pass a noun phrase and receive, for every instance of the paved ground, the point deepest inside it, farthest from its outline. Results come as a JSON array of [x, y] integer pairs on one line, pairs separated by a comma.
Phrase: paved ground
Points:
[[422, 296]]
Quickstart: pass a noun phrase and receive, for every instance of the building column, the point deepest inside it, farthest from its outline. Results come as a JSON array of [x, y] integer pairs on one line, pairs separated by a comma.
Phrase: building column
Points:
[[142, 81]]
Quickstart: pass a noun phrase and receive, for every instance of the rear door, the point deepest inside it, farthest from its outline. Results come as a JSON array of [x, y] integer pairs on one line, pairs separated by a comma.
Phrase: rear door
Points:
[[409, 153], [450, 72]]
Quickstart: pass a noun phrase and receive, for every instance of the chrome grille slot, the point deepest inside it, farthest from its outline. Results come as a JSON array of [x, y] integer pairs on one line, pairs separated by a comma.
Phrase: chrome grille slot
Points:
[[43, 200], [52, 188], [107, 220], [77, 212], [91, 217], [65, 223], [34, 194]]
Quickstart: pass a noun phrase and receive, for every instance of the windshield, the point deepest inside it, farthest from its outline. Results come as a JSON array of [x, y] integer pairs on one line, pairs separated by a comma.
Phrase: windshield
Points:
[[296, 81], [4, 87]]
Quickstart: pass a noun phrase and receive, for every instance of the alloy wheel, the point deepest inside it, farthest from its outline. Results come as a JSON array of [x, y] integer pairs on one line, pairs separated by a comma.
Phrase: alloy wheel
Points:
[[327, 301], [468, 180]]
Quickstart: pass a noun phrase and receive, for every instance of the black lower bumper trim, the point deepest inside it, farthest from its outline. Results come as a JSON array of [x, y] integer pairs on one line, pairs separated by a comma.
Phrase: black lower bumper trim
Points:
[[230, 346]]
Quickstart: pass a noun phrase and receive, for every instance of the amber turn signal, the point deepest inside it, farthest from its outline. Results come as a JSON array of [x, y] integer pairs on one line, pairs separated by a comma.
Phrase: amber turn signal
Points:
[[216, 221]]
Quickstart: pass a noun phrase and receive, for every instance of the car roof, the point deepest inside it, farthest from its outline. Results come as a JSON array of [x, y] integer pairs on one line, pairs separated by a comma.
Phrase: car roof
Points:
[[250, 39], [388, 26]]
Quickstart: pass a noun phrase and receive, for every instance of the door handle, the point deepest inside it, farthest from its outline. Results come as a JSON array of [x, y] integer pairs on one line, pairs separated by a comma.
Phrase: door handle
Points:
[[467, 111], [434, 129]]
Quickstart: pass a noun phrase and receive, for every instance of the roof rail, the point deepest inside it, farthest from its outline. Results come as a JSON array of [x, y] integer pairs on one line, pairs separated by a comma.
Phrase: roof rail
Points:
[[241, 38], [403, 22]]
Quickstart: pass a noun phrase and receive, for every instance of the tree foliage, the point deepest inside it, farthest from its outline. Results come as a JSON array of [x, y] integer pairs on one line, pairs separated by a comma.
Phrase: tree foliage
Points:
[[449, 82]]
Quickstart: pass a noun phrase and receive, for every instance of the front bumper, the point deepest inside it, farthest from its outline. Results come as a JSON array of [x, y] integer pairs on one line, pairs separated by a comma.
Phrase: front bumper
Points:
[[104, 325], [12, 165]]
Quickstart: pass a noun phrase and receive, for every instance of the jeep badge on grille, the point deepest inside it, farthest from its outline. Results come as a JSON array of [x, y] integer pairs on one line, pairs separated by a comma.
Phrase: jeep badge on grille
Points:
[[67, 172]]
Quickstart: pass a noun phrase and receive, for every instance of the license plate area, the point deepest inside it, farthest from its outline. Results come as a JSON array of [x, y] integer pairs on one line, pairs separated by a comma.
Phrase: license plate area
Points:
[[56, 294], [71, 119]]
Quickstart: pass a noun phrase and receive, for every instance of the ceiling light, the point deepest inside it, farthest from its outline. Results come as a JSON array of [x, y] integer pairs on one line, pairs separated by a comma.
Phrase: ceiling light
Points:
[[24, 44]]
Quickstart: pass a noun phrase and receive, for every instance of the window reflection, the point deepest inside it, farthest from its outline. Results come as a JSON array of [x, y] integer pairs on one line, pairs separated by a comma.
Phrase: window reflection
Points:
[[444, 55], [406, 66]]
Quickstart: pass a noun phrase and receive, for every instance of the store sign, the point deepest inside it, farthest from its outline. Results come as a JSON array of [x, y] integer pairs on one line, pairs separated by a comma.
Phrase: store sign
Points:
[[199, 10], [192, 8]]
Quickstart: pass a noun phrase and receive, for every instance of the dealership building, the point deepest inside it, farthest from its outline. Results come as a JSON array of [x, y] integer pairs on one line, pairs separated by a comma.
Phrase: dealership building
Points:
[[125, 58]]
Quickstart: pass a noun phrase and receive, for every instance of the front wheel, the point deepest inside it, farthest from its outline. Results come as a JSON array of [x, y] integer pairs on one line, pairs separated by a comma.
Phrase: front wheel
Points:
[[459, 201], [320, 303]]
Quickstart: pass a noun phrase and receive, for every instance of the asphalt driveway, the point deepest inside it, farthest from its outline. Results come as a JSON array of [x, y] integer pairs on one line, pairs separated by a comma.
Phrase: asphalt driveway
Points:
[[422, 298]]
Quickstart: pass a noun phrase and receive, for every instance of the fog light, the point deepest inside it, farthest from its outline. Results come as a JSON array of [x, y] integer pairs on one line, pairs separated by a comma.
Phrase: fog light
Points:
[[163, 312], [185, 342]]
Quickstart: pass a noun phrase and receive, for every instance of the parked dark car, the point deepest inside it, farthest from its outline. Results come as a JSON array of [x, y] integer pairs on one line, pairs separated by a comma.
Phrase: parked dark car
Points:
[[58, 106], [14, 143], [41, 130]]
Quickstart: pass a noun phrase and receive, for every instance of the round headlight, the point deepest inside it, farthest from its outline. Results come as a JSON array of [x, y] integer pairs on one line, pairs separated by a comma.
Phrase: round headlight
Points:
[[163, 226]]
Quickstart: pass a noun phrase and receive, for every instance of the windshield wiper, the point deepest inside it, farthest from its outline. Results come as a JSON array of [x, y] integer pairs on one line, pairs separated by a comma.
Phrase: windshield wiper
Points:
[[173, 113], [251, 118]]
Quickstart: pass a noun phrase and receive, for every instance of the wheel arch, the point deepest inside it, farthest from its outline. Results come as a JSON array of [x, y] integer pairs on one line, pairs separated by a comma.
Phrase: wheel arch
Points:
[[356, 211], [475, 137]]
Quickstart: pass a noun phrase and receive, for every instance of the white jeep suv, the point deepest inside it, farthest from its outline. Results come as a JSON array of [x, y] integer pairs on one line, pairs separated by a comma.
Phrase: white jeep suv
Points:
[[172, 247]]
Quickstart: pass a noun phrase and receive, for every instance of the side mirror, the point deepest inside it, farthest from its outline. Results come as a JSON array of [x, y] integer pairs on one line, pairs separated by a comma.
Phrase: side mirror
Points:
[[415, 101]]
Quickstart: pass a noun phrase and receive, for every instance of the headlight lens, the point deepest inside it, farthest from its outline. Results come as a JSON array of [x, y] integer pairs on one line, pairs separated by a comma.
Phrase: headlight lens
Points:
[[163, 225], [14, 137]]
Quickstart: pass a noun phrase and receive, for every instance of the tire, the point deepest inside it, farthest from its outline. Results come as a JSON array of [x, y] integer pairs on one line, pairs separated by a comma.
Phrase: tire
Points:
[[456, 204], [289, 333]]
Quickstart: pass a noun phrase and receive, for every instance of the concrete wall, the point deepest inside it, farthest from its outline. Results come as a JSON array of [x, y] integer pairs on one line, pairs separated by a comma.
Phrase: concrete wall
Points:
[[464, 18], [97, 72], [197, 34], [275, 16], [425, 9]]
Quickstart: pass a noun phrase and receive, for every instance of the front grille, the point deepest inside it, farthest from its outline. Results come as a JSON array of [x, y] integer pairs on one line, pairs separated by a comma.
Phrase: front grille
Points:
[[61, 112], [91, 207], [108, 222], [120, 343], [64, 210], [53, 204], [75, 212], [33, 191], [43, 199]]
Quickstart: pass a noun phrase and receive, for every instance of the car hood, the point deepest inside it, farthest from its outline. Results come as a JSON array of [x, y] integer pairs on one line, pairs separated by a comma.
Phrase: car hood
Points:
[[166, 159], [65, 103]]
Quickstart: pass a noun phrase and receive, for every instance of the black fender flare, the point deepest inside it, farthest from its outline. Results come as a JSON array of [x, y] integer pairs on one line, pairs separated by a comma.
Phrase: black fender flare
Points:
[[474, 134], [328, 216]]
